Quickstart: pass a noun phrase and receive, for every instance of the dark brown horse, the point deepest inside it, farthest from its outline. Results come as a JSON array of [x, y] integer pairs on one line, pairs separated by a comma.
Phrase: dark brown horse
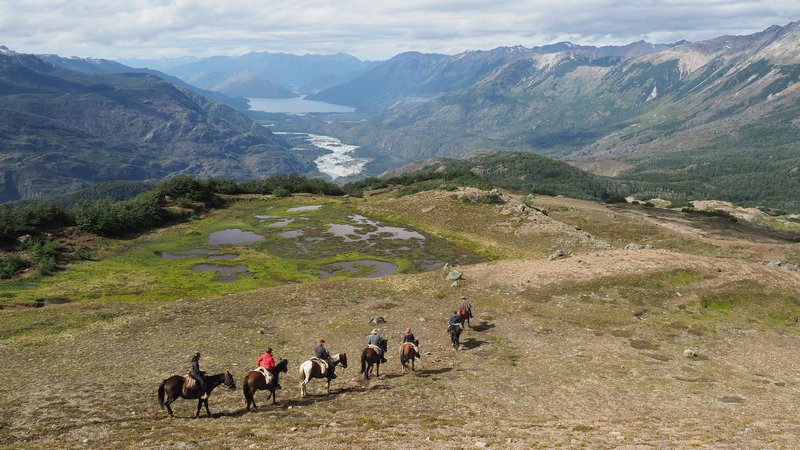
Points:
[[408, 353], [174, 387], [311, 369], [370, 357], [255, 381], [455, 334]]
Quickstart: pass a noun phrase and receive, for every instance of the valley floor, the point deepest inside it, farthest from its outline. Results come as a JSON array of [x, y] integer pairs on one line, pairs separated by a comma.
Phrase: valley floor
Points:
[[584, 350]]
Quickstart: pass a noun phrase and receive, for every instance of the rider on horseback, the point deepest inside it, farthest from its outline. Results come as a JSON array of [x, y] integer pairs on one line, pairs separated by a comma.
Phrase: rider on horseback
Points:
[[455, 320], [268, 362], [375, 340], [322, 353], [408, 336], [199, 375]]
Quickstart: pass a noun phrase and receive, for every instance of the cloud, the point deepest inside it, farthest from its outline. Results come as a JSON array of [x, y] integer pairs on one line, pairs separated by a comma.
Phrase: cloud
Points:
[[368, 29]]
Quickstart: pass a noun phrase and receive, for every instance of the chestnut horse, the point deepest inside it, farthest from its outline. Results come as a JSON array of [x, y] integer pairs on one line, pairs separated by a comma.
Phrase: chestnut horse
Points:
[[255, 381], [408, 353], [370, 357], [464, 312], [173, 387], [311, 369]]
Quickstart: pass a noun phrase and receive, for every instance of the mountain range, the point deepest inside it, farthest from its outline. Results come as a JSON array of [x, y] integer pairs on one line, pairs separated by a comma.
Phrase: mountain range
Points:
[[63, 130]]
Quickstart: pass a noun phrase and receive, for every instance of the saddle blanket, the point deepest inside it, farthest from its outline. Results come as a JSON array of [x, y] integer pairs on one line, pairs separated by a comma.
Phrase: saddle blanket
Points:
[[323, 365], [189, 382], [267, 374], [376, 348]]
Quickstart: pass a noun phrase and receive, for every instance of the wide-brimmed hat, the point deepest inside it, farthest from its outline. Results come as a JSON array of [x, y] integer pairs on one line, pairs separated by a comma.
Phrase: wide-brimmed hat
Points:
[[269, 350], [408, 330], [374, 331], [321, 341]]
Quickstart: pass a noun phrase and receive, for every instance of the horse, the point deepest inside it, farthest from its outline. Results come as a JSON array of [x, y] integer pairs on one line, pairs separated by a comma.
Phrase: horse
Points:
[[455, 334], [174, 387], [464, 313], [255, 381], [408, 353], [311, 369], [370, 357]]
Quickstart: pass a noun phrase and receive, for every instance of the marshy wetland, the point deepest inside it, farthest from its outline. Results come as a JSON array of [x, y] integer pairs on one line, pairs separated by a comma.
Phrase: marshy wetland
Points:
[[248, 245]]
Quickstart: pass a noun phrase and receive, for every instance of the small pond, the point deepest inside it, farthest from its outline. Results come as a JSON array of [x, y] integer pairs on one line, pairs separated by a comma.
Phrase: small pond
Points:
[[281, 223], [292, 234], [304, 208], [195, 253], [377, 268], [227, 273], [224, 256], [233, 236]]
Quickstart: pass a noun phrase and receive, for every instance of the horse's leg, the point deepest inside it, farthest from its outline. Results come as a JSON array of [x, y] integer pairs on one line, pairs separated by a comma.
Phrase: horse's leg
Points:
[[208, 413], [274, 395], [412, 363], [378, 369], [328, 389], [199, 405], [169, 408]]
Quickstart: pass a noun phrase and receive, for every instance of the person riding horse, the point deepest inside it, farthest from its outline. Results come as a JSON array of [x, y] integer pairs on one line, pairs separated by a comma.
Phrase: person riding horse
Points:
[[268, 362], [322, 353], [408, 336], [375, 340], [455, 320], [199, 375]]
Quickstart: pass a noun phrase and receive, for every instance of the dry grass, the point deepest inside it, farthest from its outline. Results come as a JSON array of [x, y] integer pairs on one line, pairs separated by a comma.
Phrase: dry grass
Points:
[[558, 356]]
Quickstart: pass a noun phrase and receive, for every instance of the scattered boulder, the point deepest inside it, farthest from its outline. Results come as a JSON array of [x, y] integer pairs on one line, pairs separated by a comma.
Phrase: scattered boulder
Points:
[[556, 254], [454, 275], [454, 284], [791, 267], [689, 353], [775, 263], [633, 246], [377, 319], [481, 444]]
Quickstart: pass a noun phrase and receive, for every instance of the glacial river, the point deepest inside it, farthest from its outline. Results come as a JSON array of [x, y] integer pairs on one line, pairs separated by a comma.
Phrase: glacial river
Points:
[[340, 162]]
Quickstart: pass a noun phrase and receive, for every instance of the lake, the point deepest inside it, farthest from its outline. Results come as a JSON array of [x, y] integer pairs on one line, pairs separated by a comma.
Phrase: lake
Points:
[[296, 105]]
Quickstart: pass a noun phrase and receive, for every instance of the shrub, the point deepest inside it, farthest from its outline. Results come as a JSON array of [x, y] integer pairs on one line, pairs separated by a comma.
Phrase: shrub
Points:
[[46, 265], [281, 192], [82, 253], [10, 264]]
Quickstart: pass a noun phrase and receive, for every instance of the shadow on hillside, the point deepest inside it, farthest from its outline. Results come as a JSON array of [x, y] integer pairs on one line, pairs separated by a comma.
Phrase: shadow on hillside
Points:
[[483, 326], [471, 343], [431, 372]]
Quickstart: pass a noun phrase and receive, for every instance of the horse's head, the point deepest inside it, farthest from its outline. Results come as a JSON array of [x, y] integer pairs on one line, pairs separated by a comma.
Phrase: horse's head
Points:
[[228, 382], [343, 360], [384, 344], [282, 366]]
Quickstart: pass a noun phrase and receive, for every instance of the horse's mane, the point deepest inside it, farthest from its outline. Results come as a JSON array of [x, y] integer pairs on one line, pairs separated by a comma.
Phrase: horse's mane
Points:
[[282, 365]]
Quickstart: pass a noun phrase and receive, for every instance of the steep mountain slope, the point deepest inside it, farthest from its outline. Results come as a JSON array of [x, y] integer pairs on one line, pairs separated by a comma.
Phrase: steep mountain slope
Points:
[[303, 74], [414, 74], [249, 83], [705, 113], [63, 130], [96, 66]]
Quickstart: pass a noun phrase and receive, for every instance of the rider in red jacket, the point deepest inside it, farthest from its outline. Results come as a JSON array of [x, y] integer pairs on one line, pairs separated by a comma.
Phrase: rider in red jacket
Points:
[[266, 360]]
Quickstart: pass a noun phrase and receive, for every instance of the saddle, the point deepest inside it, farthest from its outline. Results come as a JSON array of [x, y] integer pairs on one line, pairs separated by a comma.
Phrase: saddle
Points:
[[323, 365], [377, 349], [267, 374], [189, 383], [414, 344], [455, 327]]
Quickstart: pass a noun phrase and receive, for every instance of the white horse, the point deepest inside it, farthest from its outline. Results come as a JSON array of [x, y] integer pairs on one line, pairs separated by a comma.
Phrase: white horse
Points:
[[312, 369]]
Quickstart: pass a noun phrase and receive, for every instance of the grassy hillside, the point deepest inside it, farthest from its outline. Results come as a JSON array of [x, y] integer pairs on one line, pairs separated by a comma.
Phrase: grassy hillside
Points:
[[583, 350]]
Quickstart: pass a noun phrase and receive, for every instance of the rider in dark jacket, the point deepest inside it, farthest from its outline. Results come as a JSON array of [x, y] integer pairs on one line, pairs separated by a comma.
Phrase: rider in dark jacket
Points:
[[322, 353], [408, 336], [198, 375], [454, 319]]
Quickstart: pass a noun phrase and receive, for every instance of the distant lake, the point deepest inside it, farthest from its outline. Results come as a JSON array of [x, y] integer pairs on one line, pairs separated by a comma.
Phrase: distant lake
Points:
[[297, 105]]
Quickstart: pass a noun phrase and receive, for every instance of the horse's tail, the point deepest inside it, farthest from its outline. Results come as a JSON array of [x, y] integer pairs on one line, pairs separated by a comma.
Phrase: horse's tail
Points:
[[161, 393], [363, 361], [248, 396]]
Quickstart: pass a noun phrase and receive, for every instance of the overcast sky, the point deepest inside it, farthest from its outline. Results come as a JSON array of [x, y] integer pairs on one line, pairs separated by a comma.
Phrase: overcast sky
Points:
[[368, 29]]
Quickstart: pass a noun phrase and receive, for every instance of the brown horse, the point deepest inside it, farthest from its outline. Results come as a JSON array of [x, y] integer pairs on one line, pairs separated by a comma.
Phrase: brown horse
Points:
[[311, 369], [173, 387], [255, 381], [408, 353], [455, 334], [370, 357], [464, 313]]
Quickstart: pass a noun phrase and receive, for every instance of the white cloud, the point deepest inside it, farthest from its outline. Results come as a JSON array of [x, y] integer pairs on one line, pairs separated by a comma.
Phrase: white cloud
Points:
[[368, 29]]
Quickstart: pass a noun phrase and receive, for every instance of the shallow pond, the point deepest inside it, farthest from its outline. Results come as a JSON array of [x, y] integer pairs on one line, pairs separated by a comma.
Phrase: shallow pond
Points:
[[195, 253], [281, 223], [304, 208], [233, 236], [377, 268], [291, 234], [227, 273]]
